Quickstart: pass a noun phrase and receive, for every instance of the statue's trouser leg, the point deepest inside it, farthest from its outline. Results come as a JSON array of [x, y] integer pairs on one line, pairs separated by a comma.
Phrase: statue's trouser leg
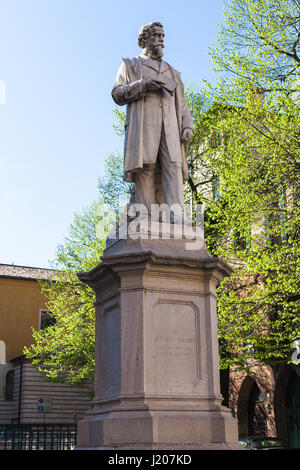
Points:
[[171, 175], [148, 182], [145, 187]]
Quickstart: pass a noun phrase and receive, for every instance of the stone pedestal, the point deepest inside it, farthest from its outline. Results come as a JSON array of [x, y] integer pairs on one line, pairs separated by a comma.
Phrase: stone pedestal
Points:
[[157, 366]]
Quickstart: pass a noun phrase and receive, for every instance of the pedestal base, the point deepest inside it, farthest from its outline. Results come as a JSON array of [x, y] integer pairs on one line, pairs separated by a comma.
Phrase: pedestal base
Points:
[[159, 430], [157, 367]]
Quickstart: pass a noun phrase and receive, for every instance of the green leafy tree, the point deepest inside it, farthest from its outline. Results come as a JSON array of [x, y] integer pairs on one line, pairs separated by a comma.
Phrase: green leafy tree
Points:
[[254, 223]]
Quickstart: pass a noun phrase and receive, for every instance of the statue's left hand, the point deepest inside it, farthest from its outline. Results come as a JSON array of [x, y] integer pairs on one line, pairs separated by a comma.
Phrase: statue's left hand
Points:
[[187, 135]]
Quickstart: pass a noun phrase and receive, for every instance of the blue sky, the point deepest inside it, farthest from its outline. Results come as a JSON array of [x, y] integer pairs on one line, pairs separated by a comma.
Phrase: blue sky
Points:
[[58, 61]]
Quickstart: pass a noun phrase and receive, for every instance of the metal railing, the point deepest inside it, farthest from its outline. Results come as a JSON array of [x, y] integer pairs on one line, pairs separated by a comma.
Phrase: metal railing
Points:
[[38, 436]]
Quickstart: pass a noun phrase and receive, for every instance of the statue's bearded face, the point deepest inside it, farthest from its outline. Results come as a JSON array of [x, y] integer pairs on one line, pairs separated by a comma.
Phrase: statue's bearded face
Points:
[[155, 41]]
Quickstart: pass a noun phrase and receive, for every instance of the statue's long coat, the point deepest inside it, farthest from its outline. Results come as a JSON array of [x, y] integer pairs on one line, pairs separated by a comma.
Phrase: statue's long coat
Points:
[[128, 90]]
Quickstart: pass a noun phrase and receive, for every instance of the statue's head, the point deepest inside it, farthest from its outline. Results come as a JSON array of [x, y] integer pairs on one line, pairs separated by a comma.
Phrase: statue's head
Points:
[[151, 37]]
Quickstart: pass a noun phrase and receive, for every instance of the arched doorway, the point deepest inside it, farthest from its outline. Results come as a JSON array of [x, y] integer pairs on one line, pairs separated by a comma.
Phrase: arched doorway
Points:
[[292, 402], [256, 413], [251, 411]]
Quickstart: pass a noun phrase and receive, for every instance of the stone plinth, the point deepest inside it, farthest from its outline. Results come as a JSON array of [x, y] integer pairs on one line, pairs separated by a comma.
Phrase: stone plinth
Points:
[[157, 366]]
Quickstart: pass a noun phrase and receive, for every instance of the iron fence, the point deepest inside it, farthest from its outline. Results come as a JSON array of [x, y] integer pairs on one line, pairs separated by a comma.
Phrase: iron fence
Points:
[[38, 436]]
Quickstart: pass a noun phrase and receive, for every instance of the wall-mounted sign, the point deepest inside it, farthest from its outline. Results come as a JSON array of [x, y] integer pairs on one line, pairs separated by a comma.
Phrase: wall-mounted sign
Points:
[[45, 404]]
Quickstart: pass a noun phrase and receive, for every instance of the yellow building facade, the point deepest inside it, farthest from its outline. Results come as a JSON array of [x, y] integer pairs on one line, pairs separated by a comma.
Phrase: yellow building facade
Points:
[[22, 387], [21, 304]]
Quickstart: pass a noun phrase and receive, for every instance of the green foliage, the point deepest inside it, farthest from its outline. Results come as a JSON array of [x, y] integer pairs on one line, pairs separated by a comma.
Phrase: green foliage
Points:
[[119, 122], [254, 224], [258, 45], [113, 189], [201, 174]]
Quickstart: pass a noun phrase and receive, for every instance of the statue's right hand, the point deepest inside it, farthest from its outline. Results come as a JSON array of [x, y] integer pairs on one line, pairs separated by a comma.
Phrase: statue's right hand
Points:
[[152, 85]]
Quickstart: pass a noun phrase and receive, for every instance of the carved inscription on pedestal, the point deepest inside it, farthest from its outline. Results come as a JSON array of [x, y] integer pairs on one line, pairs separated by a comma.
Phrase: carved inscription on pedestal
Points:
[[176, 343]]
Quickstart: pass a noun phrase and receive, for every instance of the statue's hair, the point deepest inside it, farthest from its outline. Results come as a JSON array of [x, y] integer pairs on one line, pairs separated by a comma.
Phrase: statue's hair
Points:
[[145, 31]]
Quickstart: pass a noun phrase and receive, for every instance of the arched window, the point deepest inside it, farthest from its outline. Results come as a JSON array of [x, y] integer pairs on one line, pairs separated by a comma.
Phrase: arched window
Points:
[[9, 385]]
